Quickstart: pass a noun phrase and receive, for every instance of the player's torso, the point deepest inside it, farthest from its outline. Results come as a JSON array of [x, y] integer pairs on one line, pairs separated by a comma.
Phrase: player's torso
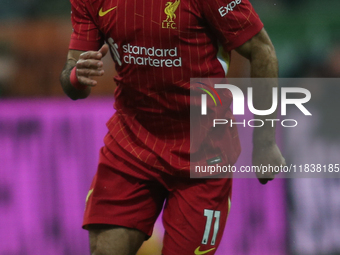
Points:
[[156, 40], [157, 45]]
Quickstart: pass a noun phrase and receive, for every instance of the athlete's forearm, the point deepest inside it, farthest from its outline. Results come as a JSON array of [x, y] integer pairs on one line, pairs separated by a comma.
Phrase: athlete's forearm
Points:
[[68, 88], [264, 64], [261, 54]]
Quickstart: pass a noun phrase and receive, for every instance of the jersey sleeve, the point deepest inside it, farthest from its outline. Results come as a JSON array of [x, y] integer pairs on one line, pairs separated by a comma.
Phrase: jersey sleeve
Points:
[[233, 22], [85, 35]]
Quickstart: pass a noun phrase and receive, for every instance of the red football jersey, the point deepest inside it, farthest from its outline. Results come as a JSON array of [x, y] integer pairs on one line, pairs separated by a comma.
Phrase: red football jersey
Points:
[[157, 47]]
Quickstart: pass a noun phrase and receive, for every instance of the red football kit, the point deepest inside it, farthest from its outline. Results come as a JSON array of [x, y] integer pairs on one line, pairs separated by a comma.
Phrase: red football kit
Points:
[[157, 46]]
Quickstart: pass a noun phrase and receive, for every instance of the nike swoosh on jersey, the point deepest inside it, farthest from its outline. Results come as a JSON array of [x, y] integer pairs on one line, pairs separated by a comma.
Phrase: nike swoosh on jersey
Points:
[[198, 252], [101, 13]]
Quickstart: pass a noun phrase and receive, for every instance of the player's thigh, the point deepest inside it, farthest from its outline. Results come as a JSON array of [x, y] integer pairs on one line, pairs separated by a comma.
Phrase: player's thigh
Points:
[[195, 215], [126, 204], [118, 198], [114, 240]]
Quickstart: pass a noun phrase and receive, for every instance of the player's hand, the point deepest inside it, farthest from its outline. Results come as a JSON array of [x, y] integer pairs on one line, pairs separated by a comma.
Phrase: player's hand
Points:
[[268, 154], [90, 65]]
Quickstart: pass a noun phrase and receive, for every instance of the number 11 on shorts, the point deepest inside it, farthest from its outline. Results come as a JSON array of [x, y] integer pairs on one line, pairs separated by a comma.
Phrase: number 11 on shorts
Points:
[[210, 214]]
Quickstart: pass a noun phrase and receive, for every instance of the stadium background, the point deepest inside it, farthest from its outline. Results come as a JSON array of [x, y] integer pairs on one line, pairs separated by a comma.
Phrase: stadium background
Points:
[[49, 144]]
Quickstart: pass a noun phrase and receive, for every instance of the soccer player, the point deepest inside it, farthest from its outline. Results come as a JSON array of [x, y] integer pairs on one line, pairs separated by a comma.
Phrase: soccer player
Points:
[[157, 46]]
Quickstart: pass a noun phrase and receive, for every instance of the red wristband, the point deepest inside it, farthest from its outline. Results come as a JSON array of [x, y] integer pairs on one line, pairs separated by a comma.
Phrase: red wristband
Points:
[[74, 80]]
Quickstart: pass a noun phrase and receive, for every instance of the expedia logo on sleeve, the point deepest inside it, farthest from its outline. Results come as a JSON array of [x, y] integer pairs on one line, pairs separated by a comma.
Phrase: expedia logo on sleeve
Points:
[[224, 10]]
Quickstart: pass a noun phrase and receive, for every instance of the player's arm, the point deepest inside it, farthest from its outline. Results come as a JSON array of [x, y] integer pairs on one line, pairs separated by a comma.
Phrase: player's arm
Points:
[[77, 76], [261, 54]]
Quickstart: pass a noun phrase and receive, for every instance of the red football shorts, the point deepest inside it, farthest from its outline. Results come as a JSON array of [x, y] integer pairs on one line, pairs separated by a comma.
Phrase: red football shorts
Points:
[[126, 194]]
